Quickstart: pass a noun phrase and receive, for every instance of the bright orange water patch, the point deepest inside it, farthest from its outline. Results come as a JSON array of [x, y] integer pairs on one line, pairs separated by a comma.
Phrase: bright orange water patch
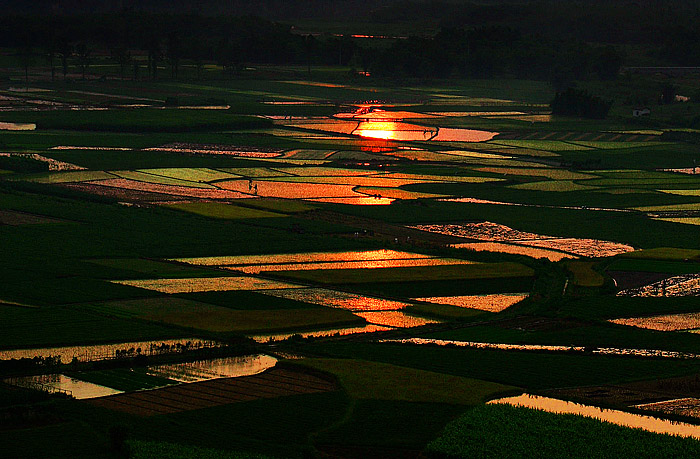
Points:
[[463, 135], [668, 322], [337, 299], [370, 328], [637, 421], [364, 201], [551, 255], [491, 303], [304, 257], [584, 247], [396, 319], [291, 190], [206, 284], [369, 264]]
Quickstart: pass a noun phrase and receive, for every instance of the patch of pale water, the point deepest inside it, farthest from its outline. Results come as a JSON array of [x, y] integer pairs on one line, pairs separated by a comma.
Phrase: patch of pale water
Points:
[[58, 383], [546, 348]]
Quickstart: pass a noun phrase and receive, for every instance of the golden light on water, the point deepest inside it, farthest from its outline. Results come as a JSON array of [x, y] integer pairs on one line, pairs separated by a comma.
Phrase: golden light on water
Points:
[[378, 130]]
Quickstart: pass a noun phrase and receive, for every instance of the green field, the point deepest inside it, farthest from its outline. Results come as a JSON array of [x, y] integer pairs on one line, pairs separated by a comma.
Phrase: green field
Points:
[[510, 432]]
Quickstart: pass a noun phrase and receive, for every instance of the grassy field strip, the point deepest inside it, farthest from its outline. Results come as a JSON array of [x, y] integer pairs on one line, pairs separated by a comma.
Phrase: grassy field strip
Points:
[[193, 174], [160, 179], [490, 303], [683, 220], [553, 185], [512, 432], [396, 193], [338, 331], [412, 274], [303, 257], [207, 284], [73, 176], [208, 192], [222, 210], [202, 316], [546, 145], [380, 381], [554, 174], [664, 253]]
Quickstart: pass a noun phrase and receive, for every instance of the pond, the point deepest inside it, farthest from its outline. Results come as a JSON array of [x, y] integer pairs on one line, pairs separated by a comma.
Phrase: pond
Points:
[[638, 421]]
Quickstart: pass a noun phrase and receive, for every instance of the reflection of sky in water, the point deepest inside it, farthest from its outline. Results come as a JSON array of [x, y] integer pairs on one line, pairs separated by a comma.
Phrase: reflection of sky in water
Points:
[[492, 303], [317, 333], [58, 383], [648, 423], [533, 252], [203, 370], [305, 257], [336, 299], [545, 347], [86, 353]]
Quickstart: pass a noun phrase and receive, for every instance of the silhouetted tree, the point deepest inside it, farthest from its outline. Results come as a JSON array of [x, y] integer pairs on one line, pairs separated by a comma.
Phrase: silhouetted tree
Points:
[[82, 53]]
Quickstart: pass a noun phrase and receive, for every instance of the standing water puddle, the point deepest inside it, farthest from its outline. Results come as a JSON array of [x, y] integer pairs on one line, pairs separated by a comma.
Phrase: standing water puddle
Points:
[[648, 423]]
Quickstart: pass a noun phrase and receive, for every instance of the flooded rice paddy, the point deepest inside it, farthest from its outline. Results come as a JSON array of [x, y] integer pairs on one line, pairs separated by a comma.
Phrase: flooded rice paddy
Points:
[[94, 352], [648, 423], [304, 257], [514, 249], [360, 264], [394, 319], [488, 231], [337, 299], [684, 285], [546, 348], [211, 149], [679, 407], [58, 383], [667, 322], [369, 328], [203, 370], [491, 303], [206, 284]]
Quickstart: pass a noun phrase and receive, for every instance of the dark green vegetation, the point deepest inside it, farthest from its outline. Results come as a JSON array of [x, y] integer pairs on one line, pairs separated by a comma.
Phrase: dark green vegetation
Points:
[[157, 147], [509, 432]]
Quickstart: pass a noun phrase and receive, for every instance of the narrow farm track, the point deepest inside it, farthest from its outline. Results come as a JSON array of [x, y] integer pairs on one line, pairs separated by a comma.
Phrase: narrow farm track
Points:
[[276, 382]]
